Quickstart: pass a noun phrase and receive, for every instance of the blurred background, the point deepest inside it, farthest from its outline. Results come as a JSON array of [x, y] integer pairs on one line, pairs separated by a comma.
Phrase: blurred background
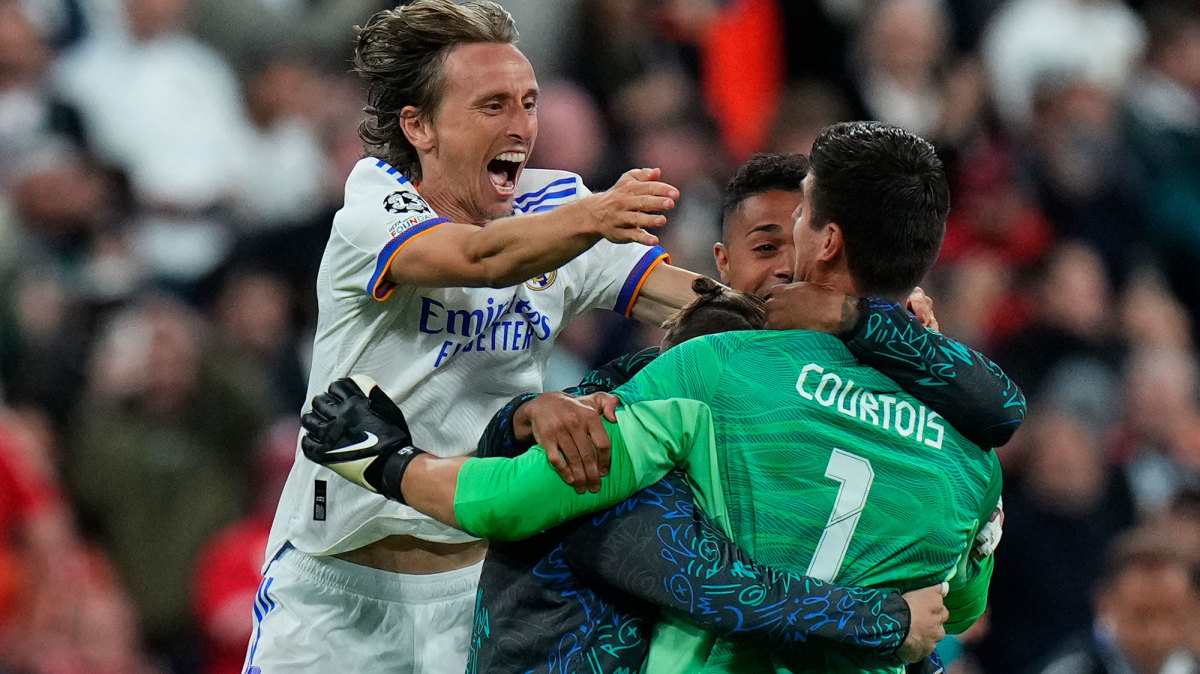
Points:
[[169, 169]]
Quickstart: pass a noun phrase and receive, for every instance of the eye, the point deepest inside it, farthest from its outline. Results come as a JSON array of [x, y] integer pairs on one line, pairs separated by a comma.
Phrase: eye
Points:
[[766, 248], [531, 105], [494, 106]]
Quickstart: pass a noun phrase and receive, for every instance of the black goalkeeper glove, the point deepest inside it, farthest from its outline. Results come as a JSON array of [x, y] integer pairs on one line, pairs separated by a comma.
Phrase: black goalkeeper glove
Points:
[[355, 430]]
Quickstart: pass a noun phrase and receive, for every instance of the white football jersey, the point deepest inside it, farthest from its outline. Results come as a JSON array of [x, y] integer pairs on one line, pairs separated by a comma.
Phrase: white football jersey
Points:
[[449, 357]]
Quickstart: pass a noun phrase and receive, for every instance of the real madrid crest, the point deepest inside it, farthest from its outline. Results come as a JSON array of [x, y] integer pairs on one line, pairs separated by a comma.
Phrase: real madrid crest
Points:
[[541, 281]]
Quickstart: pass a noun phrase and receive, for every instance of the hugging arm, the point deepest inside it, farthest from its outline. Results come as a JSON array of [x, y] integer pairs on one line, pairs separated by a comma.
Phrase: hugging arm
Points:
[[659, 547], [959, 383]]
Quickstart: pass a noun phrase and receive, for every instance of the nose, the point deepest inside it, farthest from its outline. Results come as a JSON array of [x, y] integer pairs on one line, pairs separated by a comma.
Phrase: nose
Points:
[[784, 268], [523, 126]]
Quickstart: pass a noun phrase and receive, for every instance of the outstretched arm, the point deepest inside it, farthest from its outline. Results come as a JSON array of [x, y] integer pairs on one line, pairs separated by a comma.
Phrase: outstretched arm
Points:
[[511, 250]]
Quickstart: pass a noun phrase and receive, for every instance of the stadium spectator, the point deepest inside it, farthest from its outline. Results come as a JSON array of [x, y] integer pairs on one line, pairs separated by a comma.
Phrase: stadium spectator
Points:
[[1069, 323], [1060, 490], [899, 52], [1151, 317], [1145, 603], [228, 569], [1157, 445], [158, 461], [995, 234], [1077, 163], [245, 30], [126, 87], [1163, 123], [1030, 40], [253, 314], [61, 609]]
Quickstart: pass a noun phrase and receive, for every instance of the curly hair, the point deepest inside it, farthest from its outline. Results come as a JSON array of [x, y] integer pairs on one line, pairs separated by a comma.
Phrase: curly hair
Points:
[[764, 173], [400, 53], [715, 309]]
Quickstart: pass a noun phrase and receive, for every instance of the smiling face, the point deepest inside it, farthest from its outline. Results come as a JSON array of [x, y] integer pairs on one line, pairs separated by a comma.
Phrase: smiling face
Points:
[[481, 134], [757, 251]]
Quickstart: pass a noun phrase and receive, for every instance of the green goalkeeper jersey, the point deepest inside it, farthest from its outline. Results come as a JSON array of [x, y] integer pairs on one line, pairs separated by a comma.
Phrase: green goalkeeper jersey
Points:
[[813, 463]]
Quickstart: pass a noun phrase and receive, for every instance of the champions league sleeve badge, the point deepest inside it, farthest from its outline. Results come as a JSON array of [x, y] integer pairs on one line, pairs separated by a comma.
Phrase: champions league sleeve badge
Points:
[[404, 201], [411, 208]]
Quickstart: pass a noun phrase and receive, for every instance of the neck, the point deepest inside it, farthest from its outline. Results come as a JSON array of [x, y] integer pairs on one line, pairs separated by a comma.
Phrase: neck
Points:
[[839, 279], [832, 277], [447, 206]]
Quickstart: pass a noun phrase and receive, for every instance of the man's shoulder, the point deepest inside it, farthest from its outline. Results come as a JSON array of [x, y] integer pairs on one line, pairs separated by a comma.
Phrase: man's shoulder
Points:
[[379, 196], [543, 189]]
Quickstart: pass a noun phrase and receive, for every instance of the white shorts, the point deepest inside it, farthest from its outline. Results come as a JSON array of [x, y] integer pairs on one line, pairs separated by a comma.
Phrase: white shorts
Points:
[[323, 614]]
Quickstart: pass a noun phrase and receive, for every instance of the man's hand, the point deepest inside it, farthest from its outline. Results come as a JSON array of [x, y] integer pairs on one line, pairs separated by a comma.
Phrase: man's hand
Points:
[[623, 212], [927, 625], [921, 305], [808, 306], [356, 430], [570, 431]]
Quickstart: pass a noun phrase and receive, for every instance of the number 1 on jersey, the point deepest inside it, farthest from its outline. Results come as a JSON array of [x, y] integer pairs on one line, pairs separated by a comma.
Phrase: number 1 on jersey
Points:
[[855, 475]]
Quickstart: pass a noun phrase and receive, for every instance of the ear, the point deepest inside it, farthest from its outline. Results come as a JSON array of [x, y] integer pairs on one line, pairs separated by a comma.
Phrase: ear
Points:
[[832, 245], [418, 129], [722, 257]]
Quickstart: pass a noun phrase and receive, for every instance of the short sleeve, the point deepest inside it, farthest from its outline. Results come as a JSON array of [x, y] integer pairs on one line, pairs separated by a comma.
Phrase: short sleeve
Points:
[[382, 213], [611, 276], [608, 275]]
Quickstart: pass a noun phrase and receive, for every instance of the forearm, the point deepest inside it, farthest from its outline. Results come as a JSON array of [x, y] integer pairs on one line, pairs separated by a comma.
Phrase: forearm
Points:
[[666, 290], [513, 250], [502, 253], [962, 385], [679, 545], [510, 432], [967, 598], [511, 499], [429, 485]]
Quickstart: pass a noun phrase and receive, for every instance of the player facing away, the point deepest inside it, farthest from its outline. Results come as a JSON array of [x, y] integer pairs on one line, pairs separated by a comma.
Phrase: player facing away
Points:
[[448, 273], [812, 461]]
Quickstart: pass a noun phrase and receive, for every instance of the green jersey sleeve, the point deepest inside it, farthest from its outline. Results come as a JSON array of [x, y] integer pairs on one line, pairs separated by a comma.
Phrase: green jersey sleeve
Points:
[[968, 594], [511, 499]]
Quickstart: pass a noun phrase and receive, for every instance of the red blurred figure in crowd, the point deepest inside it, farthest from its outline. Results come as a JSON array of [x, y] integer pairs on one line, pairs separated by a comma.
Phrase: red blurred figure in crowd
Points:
[[228, 570]]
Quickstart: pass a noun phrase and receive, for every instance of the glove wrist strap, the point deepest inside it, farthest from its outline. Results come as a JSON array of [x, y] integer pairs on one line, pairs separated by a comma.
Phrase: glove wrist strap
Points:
[[391, 474]]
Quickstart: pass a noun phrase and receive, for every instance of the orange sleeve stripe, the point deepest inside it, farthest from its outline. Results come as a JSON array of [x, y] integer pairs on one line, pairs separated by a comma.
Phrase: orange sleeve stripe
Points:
[[380, 282], [665, 257]]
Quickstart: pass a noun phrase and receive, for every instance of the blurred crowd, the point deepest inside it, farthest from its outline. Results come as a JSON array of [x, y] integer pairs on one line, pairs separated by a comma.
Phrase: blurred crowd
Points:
[[168, 173]]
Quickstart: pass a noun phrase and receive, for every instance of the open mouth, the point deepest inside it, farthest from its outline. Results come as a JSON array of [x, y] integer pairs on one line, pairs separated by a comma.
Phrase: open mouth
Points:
[[503, 171]]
